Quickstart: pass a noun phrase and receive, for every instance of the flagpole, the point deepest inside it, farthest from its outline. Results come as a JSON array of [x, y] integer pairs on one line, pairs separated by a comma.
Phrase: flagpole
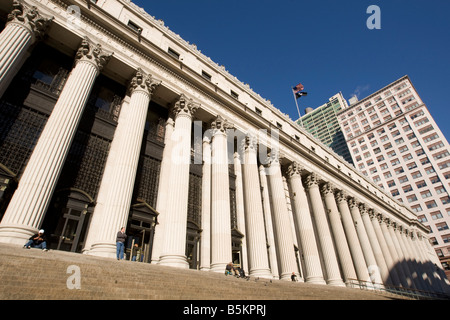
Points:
[[298, 110]]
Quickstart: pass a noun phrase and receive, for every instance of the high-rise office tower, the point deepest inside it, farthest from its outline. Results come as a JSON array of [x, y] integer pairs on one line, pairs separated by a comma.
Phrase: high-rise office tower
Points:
[[394, 140], [323, 124]]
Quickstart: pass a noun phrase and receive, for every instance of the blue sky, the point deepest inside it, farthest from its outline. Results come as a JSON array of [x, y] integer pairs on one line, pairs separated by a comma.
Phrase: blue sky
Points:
[[324, 44]]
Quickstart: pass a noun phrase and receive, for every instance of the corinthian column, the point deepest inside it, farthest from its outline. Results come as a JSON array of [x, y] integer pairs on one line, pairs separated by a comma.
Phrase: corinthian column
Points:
[[221, 252], [205, 240], [325, 239], [116, 189], [173, 251], [284, 237], [393, 276], [256, 237], [372, 265], [343, 250], [164, 189], [25, 25], [305, 229], [352, 237], [30, 201], [376, 248], [273, 261]]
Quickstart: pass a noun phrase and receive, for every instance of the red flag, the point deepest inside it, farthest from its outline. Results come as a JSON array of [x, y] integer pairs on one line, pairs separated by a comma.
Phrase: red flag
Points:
[[298, 88]]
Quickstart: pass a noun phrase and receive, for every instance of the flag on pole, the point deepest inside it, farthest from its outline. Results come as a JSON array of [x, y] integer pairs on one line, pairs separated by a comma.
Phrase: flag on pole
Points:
[[298, 88], [298, 91]]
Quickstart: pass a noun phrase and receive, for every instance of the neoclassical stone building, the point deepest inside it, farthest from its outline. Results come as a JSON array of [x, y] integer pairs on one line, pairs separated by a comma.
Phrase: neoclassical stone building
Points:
[[109, 119]]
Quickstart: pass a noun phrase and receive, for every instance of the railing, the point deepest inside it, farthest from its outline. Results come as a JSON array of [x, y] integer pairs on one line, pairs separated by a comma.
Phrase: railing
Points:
[[401, 291]]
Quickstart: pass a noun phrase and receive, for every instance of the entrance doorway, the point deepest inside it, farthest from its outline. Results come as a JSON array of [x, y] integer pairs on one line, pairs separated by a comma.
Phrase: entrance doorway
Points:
[[141, 229], [236, 247], [67, 218], [192, 248]]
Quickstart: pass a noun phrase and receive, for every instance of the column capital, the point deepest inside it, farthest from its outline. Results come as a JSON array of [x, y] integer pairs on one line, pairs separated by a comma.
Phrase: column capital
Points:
[[312, 180], [273, 157], [341, 195], [219, 124], [328, 188], [144, 82], [185, 107], [293, 169], [353, 203], [93, 53], [249, 143], [30, 18], [363, 209], [373, 214]]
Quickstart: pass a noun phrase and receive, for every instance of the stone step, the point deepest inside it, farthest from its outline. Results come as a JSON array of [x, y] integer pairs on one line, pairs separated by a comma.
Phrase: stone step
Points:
[[34, 274]]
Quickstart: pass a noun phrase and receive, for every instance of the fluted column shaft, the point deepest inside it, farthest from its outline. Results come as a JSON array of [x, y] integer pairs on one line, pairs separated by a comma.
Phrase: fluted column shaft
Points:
[[398, 242], [164, 188], [403, 264], [410, 259], [258, 258], [305, 231], [272, 251], [342, 246], [371, 262], [240, 210], [285, 244], [381, 251], [425, 275], [205, 241], [352, 237], [25, 25], [111, 213], [375, 245], [173, 252], [324, 233], [31, 199], [385, 226], [221, 251]]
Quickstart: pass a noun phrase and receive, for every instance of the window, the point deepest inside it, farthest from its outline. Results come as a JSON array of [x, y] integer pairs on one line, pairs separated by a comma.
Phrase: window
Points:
[[421, 184], [258, 111], [426, 194], [134, 26], [173, 53], [436, 215], [431, 204], [206, 75], [442, 226], [422, 218], [418, 208], [403, 179], [445, 200], [407, 189], [234, 94], [412, 198]]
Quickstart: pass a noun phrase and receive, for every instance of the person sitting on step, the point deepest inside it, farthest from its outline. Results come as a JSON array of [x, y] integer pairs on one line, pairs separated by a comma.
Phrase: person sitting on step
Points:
[[37, 241]]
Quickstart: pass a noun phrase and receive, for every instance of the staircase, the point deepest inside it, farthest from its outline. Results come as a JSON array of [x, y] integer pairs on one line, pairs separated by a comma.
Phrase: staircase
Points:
[[31, 274]]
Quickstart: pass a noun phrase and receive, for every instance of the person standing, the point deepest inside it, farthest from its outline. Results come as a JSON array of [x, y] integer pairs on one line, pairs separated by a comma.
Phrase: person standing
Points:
[[120, 242]]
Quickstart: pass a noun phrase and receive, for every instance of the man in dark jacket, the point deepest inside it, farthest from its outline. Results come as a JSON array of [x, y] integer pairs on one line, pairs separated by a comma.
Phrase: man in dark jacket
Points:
[[37, 241], [120, 241]]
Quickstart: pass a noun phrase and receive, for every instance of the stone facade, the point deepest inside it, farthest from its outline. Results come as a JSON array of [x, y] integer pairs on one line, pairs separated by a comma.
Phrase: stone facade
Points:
[[135, 127]]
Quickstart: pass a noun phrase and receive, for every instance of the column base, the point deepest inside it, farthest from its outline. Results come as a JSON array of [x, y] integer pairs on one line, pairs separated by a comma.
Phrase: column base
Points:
[[336, 283], [261, 273], [218, 267], [176, 261], [315, 280], [106, 250], [16, 234]]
